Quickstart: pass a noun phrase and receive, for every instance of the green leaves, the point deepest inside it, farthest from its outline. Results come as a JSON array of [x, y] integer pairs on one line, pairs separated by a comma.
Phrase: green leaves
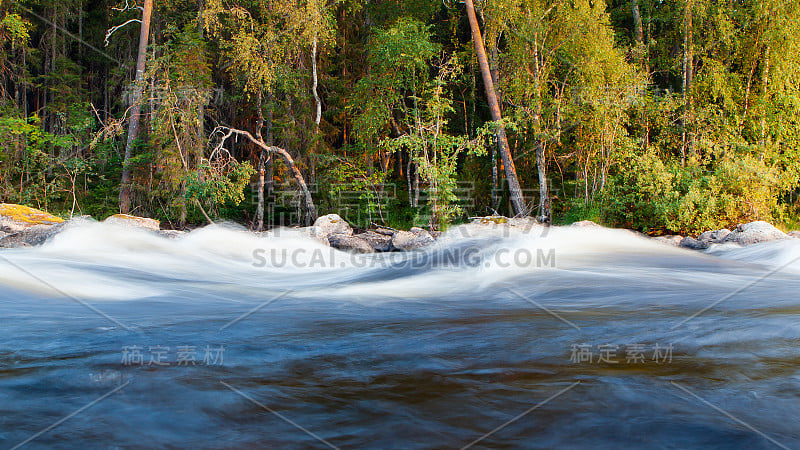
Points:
[[217, 186], [14, 29]]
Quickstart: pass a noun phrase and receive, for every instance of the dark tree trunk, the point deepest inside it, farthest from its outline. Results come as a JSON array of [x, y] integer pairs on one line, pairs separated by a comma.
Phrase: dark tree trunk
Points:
[[638, 29]]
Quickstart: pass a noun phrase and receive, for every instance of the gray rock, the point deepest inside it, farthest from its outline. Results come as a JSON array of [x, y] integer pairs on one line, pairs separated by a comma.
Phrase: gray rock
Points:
[[414, 239], [794, 234], [330, 224], [694, 244], [496, 224], [674, 241], [526, 223], [312, 232], [714, 237], [10, 226], [755, 232], [133, 221], [349, 243], [39, 234], [589, 223], [31, 236], [378, 242], [171, 234], [385, 231]]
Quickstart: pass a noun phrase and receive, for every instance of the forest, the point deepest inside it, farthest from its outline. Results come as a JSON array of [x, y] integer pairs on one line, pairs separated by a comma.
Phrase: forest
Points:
[[664, 116]]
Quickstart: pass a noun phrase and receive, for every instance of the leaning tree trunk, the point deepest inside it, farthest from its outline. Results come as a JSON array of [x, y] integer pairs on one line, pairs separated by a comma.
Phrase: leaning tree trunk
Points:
[[136, 109], [494, 106], [688, 76]]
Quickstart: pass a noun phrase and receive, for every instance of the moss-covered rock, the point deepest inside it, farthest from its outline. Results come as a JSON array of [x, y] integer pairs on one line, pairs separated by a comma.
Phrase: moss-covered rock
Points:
[[488, 220], [15, 218]]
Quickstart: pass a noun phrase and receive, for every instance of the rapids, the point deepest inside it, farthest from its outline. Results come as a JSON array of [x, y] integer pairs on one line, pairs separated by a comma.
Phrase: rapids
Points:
[[561, 337]]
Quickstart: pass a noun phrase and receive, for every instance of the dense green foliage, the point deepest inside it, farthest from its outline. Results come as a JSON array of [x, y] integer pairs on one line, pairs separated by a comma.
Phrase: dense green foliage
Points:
[[664, 116]]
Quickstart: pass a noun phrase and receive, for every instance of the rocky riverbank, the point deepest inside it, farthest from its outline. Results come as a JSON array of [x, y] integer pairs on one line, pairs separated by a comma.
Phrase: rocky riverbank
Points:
[[21, 226], [744, 234]]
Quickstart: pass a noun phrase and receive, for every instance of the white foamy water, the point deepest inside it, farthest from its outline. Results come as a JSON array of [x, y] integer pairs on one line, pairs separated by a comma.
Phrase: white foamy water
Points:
[[466, 259]]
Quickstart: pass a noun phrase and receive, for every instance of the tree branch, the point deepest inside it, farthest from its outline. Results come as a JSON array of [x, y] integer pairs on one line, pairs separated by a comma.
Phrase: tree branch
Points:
[[310, 209], [127, 7], [111, 30]]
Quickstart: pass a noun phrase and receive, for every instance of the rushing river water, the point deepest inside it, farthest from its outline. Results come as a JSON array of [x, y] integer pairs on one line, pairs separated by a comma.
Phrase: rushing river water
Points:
[[564, 338]]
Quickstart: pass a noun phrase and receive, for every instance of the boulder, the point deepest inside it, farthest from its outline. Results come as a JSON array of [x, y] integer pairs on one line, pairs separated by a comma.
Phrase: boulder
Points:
[[524, 223], [694, 244], [490, 220], [171, 234], [795, 234], [31, 236], [133, 221], [493, 224], [15, 218], [586, 223], [414, 239], [674, 241], [312, 232], [755, 232], [386, 231], [379, 242], [39, 234], [325, 226], [349, 243], [506, 222], [714, 237]]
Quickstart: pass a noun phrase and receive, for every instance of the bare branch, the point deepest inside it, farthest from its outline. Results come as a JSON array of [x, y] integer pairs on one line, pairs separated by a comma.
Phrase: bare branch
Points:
[[111, 30], [127, 7]]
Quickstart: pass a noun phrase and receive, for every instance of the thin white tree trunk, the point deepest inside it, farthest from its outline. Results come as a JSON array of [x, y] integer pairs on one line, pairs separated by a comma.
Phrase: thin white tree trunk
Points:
[[316, 82]]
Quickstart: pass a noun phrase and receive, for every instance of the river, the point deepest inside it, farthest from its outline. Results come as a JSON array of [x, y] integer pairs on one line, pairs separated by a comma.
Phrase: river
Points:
[[562, 338]]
